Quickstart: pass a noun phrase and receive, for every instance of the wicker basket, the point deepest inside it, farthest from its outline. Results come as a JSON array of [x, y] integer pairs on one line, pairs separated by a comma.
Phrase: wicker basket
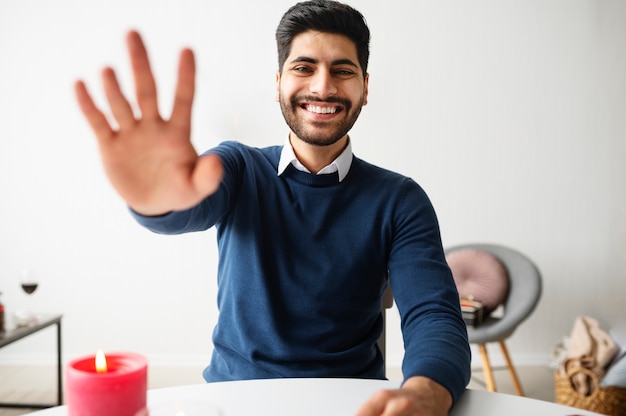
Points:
[[606, 400]]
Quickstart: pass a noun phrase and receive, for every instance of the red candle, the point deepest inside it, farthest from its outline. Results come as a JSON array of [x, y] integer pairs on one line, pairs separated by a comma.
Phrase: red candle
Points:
[[119, 388]]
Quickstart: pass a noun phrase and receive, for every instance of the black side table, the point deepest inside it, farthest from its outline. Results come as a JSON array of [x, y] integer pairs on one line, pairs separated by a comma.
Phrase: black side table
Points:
[[14, 334]]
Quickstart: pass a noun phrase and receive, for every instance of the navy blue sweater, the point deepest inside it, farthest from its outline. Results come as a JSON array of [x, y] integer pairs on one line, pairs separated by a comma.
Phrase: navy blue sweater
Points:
[[303, 264]]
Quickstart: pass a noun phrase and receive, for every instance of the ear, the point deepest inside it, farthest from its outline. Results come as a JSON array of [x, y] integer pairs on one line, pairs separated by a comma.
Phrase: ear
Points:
[[366, 88], [277, 97]]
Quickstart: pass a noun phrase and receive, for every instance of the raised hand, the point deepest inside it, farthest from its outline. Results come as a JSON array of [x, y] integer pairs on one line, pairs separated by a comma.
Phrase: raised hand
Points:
[[150, 161]]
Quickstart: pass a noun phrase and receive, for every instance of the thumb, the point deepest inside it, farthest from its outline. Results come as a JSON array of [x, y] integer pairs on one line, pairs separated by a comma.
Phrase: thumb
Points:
[[207, 174]]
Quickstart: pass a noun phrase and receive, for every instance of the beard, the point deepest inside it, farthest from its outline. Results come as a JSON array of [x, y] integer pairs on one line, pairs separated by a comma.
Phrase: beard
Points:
[[319, 133]]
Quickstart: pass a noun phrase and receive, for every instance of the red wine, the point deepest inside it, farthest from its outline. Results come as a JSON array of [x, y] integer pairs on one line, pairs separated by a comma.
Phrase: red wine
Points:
[[29, 287]]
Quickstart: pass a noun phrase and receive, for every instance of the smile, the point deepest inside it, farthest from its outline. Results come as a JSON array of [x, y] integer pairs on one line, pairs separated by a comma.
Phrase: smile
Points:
[[320, 109]]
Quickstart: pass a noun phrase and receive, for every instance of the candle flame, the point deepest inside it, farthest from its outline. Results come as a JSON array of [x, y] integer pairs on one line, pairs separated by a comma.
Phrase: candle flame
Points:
[[101, 362]]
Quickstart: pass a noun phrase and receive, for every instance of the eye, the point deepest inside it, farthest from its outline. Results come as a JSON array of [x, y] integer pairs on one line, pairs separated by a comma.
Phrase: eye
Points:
[[345, 73], [302, 69]]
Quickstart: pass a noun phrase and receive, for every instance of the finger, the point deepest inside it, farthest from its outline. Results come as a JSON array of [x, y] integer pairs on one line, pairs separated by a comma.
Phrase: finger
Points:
[[145, 87], [95, 118], [121, 109], [185, 89], [375, 405], [400, 406]]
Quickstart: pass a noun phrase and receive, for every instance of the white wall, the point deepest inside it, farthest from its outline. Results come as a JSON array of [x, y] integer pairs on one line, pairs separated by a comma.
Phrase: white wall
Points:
[[511, 114]]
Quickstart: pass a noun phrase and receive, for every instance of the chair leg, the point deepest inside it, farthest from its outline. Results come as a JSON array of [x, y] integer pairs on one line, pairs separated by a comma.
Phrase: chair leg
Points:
[[509, 364], [487, 371]]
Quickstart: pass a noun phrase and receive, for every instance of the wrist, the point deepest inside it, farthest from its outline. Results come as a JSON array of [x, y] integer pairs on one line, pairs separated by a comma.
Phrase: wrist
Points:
[[429, 388]]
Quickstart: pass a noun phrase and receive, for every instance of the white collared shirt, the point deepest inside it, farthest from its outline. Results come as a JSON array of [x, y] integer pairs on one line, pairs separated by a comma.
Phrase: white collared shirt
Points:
[[341, 164]]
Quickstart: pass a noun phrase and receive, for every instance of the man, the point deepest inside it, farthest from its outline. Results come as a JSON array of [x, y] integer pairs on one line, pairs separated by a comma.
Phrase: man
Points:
[[307, 232]]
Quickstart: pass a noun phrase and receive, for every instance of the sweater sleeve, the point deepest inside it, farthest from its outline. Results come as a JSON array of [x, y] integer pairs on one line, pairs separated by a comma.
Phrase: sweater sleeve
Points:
[[435, 336]]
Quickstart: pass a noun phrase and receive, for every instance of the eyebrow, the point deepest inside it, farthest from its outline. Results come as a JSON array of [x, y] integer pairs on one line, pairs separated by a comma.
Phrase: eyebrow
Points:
[[344, 61]]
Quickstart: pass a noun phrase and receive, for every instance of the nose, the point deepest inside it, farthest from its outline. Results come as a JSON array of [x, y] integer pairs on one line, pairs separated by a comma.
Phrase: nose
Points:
[[322, 84]]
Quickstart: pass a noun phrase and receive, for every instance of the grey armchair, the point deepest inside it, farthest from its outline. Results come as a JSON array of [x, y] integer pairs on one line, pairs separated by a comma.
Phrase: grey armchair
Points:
[[525, 288]]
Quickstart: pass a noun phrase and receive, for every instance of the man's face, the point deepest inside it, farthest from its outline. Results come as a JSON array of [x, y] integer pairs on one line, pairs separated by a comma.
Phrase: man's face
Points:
[[321, 89]]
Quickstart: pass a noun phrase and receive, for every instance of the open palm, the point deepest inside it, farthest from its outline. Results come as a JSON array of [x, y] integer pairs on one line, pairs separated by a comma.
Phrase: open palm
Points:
[[150, 161]]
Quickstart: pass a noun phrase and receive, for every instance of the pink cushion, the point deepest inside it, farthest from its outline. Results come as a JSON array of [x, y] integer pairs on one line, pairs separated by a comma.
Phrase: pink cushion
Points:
[[479, 275]]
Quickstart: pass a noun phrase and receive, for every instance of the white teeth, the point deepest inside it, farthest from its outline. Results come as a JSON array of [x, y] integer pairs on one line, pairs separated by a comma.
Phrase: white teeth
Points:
[[322, 110]]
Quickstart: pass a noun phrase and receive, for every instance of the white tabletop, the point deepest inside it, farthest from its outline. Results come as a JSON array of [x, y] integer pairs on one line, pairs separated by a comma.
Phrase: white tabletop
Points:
[[330, 397]]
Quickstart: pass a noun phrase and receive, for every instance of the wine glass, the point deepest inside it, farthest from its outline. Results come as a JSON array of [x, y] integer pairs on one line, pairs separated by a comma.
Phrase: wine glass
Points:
[[29, 283]]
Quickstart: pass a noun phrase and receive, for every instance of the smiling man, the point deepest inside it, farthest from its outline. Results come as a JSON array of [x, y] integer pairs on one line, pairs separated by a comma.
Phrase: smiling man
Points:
[[321, 88], [309, 235]]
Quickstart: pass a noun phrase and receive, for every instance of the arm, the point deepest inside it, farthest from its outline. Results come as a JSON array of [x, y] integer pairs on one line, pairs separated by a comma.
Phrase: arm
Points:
[[150, 161], [437, 357]]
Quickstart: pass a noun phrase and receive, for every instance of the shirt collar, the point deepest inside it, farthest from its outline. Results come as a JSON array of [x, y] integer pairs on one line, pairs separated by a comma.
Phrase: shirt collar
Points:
[[341, 164]]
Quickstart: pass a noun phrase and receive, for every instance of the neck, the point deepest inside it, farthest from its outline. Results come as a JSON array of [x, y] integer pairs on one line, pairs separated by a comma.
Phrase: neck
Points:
[[313, 157]]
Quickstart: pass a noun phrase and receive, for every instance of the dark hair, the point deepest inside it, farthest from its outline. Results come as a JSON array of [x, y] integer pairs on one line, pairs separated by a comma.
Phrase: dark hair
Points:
[[326, 16]]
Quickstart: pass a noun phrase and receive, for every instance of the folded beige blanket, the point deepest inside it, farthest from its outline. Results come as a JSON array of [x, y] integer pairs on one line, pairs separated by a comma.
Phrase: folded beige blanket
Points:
[[589, 347]]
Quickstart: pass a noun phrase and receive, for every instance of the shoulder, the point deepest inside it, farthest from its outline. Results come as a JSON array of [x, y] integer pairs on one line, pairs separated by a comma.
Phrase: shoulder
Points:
[[396, 191], [382, 178]]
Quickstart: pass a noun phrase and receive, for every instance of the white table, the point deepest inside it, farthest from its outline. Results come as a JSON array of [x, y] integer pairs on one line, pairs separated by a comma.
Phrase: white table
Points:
[[330, 397]]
